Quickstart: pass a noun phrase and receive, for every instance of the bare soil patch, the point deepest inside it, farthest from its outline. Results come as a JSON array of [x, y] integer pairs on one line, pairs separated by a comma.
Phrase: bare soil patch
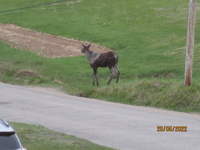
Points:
[[29, 73], [43, 44]]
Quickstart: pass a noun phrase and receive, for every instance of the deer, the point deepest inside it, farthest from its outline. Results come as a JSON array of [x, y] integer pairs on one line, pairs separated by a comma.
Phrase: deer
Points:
[[108, 59]]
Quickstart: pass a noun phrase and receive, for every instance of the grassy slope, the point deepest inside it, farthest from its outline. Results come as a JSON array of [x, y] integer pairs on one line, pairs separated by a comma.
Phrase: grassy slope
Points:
[[37, 137], [149, 37]]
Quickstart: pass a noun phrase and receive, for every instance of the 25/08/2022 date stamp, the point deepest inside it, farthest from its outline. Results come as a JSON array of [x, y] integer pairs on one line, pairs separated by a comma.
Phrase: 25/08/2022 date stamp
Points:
[[172, 128]]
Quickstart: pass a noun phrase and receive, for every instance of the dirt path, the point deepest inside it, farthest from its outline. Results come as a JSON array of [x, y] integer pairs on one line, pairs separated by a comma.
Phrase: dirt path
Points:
[[43, 44]]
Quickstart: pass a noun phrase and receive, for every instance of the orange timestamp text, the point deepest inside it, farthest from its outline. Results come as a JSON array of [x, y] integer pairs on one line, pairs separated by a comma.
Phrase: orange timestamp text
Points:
[[172, 128]]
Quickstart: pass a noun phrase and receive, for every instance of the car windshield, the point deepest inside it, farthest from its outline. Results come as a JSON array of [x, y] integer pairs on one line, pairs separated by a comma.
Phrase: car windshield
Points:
[[9, 141]]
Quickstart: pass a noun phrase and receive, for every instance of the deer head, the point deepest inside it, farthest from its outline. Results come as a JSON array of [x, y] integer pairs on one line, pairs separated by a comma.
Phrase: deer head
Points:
[[85, 48]]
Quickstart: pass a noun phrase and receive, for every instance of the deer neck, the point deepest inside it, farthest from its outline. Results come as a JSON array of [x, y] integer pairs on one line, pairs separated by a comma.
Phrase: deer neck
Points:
[[92, 56]]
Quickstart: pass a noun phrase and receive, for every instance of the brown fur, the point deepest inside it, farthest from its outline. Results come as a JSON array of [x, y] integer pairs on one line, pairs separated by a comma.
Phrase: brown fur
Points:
[[109, 59]]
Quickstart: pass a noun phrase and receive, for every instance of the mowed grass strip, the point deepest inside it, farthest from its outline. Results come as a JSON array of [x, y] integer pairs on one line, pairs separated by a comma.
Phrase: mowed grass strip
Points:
[[35, 137], [148, 36]]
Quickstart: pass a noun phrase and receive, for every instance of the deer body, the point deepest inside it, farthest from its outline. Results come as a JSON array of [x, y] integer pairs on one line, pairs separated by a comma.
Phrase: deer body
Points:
[[109, 59]]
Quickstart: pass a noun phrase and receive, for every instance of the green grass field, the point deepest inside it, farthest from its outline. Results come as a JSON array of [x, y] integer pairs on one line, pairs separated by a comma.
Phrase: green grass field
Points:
[[39, 138], [149, 37]]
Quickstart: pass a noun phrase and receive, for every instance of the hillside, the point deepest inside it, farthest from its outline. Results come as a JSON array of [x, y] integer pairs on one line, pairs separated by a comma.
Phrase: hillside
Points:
[[148, 36]]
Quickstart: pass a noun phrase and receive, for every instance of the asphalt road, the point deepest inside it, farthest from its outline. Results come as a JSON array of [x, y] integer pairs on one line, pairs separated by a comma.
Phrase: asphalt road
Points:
[[114, 125]]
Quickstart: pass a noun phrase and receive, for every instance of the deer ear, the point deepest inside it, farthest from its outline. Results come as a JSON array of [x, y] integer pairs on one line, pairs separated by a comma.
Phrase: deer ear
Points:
[[83, 45], [89, 45]]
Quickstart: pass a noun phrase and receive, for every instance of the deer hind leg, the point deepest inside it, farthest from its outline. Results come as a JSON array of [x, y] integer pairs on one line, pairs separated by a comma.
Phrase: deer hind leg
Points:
[[118, 73], [95, 77], [114, 71]]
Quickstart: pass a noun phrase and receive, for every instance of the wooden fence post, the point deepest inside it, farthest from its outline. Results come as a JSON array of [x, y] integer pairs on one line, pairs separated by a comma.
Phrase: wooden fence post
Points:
[[190, 42]]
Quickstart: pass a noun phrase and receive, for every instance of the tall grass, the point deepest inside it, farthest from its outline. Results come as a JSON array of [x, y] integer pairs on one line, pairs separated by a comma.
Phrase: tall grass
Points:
[[165, 94], [148, 36]]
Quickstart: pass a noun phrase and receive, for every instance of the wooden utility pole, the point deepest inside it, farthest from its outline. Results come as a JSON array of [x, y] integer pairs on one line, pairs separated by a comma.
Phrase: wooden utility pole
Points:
[[190, 42]]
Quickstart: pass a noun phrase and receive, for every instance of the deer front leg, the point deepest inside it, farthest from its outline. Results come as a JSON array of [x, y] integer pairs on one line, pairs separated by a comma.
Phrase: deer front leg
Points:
[[95, 77]]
